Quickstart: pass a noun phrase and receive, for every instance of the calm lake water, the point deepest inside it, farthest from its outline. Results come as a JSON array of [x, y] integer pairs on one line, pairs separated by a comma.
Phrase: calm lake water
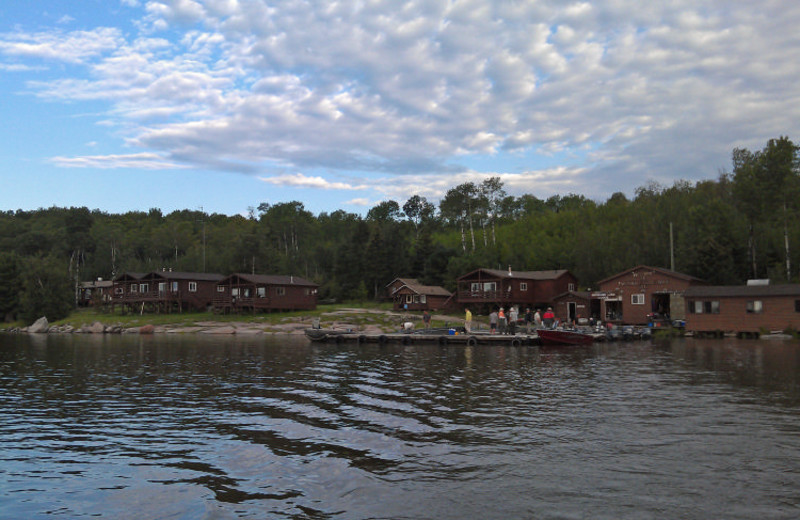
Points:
[[188, 427]]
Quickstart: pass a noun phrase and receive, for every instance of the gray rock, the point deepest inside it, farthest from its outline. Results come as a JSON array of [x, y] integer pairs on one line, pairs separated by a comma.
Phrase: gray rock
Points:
[[41, 325]]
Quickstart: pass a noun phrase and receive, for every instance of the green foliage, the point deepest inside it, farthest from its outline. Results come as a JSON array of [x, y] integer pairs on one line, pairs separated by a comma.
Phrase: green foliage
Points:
[[10, 285], [46, 289]]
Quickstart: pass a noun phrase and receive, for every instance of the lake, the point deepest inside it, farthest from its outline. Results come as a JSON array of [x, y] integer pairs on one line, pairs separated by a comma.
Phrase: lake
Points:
[[203, 427]]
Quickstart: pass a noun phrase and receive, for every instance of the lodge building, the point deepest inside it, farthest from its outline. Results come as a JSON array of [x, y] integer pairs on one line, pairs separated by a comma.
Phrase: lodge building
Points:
[[742, 309]]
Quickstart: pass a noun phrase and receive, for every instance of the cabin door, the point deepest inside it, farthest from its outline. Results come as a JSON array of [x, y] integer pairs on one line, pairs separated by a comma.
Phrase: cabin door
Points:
[[572, 311]]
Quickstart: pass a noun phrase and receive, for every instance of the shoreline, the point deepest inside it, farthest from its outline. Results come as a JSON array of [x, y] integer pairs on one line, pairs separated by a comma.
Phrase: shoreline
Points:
[[369, 321]]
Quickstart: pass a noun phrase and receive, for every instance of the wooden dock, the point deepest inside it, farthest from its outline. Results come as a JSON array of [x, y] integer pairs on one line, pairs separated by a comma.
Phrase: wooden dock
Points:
[[421, 338]]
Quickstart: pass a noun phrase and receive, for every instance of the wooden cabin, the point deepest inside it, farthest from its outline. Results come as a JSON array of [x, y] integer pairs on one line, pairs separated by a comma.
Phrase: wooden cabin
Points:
[[260, 292], [165, 291], [643, 294], [487, 288], [96, 292], [575, 306], [742, 309], [408, 294]]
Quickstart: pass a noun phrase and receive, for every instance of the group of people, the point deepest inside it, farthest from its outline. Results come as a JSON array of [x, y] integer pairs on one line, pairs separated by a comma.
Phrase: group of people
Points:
[[501, 322]]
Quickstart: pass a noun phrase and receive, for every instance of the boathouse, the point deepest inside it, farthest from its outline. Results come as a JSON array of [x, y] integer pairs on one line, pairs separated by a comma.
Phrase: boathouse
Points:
[[260, 292], [487, 288], [742, 309], [165, 291], [408, 294], [643, 294]]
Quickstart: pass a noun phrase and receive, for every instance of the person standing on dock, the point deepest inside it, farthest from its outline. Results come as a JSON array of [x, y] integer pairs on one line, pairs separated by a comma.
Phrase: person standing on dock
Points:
[[549, 318], [493, 322], [537, 320], [513, 316], [528, 320], [467, 320], [426, 319], [502, 323]]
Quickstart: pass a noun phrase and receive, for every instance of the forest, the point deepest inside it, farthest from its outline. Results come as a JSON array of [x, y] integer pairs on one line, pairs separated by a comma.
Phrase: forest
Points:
[[742, 225]]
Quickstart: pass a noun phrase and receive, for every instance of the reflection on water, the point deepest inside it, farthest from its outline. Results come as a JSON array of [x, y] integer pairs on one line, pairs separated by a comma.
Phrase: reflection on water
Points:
[[254, 427]]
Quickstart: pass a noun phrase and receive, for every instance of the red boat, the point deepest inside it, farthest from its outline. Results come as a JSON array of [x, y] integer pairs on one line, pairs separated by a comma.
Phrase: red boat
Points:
[[563, 337]]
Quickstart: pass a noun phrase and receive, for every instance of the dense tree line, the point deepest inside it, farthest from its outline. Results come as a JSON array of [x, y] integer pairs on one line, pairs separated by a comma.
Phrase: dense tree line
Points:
[[742, 225]]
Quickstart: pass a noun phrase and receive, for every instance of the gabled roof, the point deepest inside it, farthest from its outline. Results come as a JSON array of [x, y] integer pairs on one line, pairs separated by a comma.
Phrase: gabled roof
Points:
[[271, 279], [665, 272], [404, 281], [183, 275], [428, 290], [129, 275], [523, 275], [742, 291], [585, 295]]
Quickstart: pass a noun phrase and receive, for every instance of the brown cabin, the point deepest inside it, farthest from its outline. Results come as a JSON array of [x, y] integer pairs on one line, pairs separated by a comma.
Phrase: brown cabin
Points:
[[260, 292], [409, 294], [165, 291], [575, 306], [742, 309], [495, 287], [96, 292], [643, 294]]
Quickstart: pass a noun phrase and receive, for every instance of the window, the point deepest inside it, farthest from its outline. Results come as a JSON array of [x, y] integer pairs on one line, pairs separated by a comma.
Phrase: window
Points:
[[118, 290], [192, 286], [696, 307], [220, 288], [571, 287], [134, 288], [755, 307], [637, 299], [280, 291], [475, 287], [143, 288], [523, 286], [162, 287], [416, 298], [490, 286], [174, 287], [422, 298], [261, 292], [235, 291]]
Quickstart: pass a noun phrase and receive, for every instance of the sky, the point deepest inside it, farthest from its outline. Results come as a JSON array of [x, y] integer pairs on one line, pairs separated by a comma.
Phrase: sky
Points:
[[222, 105]]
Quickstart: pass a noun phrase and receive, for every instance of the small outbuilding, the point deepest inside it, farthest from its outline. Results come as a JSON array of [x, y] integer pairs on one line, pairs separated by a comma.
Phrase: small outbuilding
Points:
[[409, 294]]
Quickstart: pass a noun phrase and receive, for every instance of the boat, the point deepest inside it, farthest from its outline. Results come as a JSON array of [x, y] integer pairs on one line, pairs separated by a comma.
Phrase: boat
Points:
[[564, 337], [315, 334]]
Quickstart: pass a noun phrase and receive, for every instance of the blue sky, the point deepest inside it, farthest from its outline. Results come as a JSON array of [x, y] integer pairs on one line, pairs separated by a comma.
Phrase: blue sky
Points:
[[224, 104]]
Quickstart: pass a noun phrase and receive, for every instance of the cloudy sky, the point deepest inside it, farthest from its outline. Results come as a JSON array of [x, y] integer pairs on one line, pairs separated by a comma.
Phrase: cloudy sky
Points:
[[224, 104]]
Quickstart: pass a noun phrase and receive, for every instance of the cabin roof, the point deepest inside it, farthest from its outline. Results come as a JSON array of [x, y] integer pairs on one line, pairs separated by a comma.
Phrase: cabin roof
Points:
[[428, 290], [585, 295], [271, 279], [665, 272], [741, 291], [95, 284], [523, 275], [184, 275], [130, 275]]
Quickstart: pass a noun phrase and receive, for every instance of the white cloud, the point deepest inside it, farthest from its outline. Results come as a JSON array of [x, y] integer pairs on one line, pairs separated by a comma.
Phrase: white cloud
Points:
[[302, 181], [418, 88], [144, 161]]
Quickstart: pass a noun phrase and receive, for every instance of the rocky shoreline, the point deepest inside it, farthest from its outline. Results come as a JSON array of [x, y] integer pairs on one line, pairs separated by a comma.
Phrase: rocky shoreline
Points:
[[363, 320]]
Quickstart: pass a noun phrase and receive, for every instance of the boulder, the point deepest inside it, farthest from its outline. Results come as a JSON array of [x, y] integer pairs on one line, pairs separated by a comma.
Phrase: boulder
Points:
[[39, 326], [96, 328], [146, 329]]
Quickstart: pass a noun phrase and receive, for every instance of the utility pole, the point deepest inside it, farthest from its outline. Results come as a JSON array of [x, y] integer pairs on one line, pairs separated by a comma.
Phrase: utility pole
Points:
[[204, 238]]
